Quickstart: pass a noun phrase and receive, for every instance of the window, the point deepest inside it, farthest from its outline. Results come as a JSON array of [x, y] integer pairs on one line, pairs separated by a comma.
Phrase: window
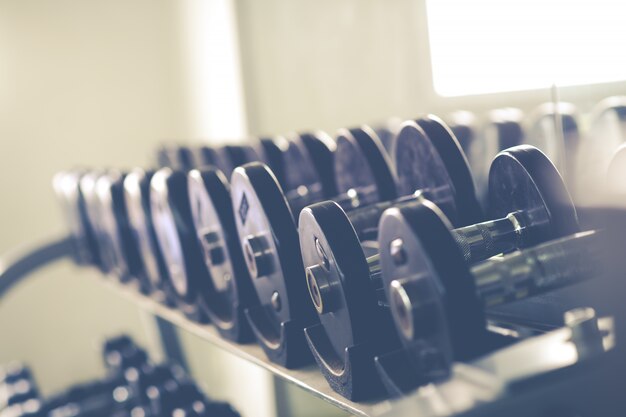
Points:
[[488, 46]]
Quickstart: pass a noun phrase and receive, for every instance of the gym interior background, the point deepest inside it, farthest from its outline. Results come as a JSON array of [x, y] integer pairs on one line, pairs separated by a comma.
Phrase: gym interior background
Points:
[[93, 83]]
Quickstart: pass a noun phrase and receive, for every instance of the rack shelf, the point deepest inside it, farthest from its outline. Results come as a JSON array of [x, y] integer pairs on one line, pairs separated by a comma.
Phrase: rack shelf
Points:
[[309, 378]]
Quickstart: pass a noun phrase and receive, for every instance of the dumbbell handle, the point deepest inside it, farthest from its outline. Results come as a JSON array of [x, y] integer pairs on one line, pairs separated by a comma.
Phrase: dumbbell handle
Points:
[[481, 241], [542, 268]]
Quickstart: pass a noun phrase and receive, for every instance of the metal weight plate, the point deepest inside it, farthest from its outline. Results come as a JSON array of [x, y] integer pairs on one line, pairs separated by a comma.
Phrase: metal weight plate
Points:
[[337, 279], [93, 210], [503, 130], [387, 131], [554, 130], [419, 167], [321, 148], [240, 154], [429, 288], [175, 156], [171, 214], [303, 184], [301, 172], [271, 150], [607, 131], [119, 246], [229, 289], [456, 166], [522, 178], [463, 126], [362, 165], [206, 156], [67, 188], [269, 241], [137, 198]]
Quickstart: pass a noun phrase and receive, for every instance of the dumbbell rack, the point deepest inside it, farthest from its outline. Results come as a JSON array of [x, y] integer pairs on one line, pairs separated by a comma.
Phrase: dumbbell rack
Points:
[[19, 264], [474, 389], [310, 379]]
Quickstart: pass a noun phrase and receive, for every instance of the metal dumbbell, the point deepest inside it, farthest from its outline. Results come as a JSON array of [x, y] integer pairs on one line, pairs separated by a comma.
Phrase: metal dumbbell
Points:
[[106, 212], [502, 130], [151, 269], [228, 290], [269, 239], [526, 190], [606, 133], [67, 188], [555, 130], [306, 159], [175, 232], [225, 157], [464, 126], [438, 301], [335, 245]]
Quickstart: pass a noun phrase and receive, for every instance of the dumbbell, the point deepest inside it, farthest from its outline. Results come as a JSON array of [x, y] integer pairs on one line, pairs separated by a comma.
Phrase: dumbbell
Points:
[[16, 385], [607, 131], [103, 197], [225, 157], [69, 193], [29, 408], [176, 238], [229, 290], [530, 202], [554, 129], [502, 130], [269, 239], [438, 302], [387, 131], [151, 271], [463, 125], [335, 245]]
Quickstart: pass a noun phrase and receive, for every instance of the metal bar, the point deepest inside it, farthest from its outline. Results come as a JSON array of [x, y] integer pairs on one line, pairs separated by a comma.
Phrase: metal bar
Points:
[[17, 265]]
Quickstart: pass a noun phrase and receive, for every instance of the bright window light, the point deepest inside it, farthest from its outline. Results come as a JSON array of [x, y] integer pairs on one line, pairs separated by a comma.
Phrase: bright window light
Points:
[[488, 46]]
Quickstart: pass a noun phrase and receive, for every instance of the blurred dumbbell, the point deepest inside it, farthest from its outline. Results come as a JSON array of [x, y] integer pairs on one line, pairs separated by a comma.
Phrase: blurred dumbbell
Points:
[[502, 130], [344, 288], [606, 132], [269, 239], [555, 131], [438, 302]]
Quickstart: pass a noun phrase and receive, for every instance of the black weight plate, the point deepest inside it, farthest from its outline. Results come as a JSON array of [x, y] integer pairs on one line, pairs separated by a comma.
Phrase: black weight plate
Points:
[[67, 189], [272, 151], [445, 319], [300, 170], [261, 211], [93, 209], [457, 167], [215, 230], [463, 126], [203, 156], [419, 167], [111, 234], [137, 198], [240, 154], [522, 178], [321, 148], [303, 185], [350, 298], [362, 164], [171, 214], [175, 156], [502, 131]]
